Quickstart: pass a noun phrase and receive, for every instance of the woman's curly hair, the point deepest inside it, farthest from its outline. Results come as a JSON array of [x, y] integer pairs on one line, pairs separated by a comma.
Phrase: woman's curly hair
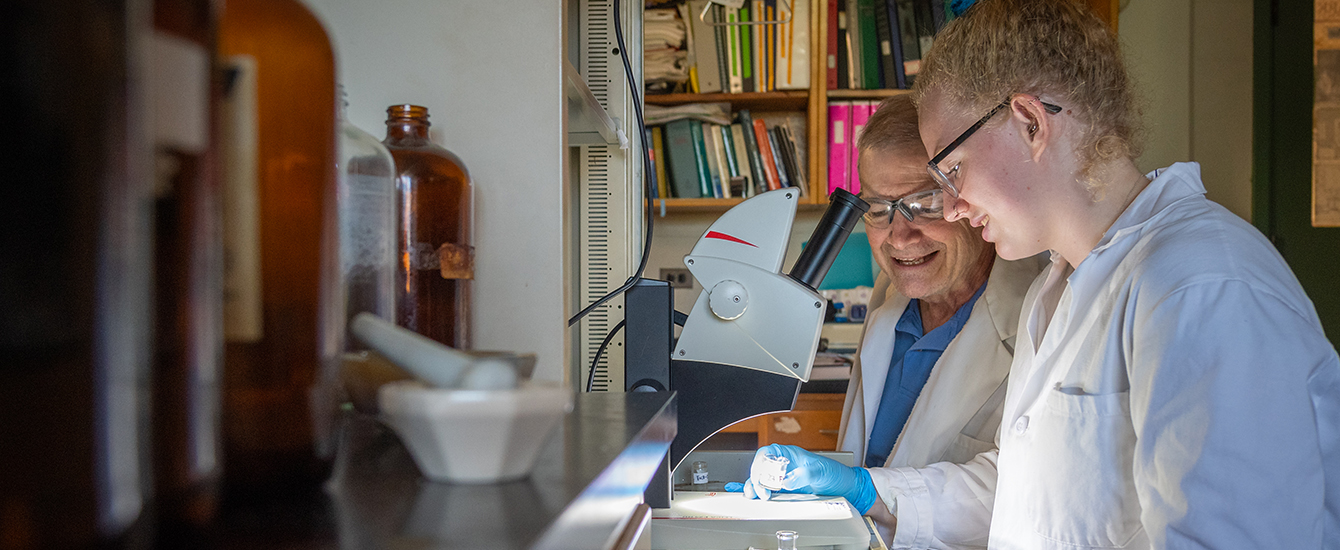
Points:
[[1053, 48]]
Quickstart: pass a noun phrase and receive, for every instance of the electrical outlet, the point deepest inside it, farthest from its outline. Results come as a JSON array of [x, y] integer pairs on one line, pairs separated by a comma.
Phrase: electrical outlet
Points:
[[678, 278]]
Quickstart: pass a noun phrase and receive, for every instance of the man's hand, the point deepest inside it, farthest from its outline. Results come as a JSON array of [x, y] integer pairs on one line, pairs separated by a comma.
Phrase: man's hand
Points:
[[811, 473]]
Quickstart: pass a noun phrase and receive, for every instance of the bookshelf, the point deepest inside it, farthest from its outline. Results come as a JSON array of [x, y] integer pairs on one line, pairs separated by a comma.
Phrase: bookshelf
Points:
[[815, 104]]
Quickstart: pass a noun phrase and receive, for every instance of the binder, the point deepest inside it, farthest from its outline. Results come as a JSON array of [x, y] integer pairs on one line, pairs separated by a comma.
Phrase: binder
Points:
[[680, 157], [733, 50], [843, 46], [793, 60], [723, 46], [704, 50], [839, 152], [746, 50], [860, 114]]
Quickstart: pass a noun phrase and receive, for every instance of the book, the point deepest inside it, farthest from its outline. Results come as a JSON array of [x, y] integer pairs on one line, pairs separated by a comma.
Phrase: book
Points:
[[890, 45], [710, 139], [860, 114], [795, 162], [690, 57], [651, 158], [700, 159], [794, 73], [839, 152], [765, 153], [925, 24], [830, 68], [751, 146], [855, 61], [871, 77], [681, 159], [778, 158], [843, 47], [907, 32], [662, 172], [770, 10], [742, 158], [732, 170], [707, 68]]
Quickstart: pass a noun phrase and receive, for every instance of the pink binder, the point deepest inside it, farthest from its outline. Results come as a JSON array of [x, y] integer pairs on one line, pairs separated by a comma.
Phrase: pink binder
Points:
[[839, 144], [860, 113]]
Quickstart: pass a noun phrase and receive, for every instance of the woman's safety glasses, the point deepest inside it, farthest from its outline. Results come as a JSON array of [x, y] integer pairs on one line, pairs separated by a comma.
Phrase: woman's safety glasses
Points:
[[917, 207], [946, 178]]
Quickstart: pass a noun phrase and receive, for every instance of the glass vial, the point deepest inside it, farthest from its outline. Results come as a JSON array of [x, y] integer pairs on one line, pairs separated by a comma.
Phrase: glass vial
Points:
[[279, 158], [435, 258], [188, 272], [772, 471], [699, 472], [786, 540]]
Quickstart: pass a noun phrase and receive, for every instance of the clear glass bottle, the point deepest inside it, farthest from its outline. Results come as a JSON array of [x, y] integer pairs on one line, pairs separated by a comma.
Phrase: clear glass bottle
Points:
[[188, 272], [436, 259], [280, 184], [367, 204], [786, 540]]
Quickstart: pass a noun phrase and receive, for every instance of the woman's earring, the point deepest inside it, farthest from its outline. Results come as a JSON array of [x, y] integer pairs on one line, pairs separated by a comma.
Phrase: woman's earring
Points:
[[1032, 129]]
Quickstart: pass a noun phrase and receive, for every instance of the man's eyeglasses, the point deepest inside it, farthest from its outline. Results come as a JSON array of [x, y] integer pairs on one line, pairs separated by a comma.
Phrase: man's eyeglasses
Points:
[[919, 207], [943, 178]]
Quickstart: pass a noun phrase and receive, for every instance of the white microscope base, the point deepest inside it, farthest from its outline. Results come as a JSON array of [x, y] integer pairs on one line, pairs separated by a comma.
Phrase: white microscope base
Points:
[[728, 521]]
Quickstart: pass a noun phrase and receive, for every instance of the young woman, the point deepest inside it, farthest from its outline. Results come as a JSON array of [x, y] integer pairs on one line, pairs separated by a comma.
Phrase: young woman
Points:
[[1171, 384]]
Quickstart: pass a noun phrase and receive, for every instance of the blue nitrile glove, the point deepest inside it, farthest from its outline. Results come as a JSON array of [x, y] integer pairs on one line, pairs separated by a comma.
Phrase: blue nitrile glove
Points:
[[734, 487], [811, 473]]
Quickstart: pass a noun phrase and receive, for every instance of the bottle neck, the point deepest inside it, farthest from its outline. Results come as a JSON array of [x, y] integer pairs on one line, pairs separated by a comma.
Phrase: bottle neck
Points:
[[406, 128]]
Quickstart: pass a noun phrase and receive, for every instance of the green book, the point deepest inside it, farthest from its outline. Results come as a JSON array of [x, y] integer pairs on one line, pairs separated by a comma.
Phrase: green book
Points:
[[700, 157], [870, 65], [683, 168]]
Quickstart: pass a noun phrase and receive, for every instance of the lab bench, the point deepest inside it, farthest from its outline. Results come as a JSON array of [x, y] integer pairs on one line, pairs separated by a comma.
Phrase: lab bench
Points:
[[583, 493]]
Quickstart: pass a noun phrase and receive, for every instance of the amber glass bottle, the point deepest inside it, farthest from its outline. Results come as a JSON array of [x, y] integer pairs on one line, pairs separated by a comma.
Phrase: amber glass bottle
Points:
[[188, 264], [436, 259], [279, 148]]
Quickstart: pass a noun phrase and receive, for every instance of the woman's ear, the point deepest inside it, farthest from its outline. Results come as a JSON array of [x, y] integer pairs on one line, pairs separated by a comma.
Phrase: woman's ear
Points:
[[1031, 118]]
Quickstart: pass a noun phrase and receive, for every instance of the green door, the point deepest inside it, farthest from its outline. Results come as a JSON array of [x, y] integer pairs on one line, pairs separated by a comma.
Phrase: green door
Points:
[[1282, 153]]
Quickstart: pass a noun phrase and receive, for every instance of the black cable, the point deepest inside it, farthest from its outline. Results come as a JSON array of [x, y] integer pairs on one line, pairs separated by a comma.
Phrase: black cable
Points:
[[591, 374], [646, 171]]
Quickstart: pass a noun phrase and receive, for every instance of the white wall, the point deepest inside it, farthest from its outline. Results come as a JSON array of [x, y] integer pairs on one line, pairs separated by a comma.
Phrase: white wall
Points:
[[1192, 60], [490, 73]]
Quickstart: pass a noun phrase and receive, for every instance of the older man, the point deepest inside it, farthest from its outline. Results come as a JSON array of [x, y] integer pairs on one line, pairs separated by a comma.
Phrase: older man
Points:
[[929, 381]]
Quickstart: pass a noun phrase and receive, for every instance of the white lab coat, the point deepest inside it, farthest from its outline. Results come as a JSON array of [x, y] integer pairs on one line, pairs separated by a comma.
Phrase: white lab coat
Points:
[[1182, 395], [958, 412]]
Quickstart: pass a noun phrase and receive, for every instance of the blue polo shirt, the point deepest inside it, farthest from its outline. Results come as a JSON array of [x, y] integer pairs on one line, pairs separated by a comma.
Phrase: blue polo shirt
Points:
[[914, 355]]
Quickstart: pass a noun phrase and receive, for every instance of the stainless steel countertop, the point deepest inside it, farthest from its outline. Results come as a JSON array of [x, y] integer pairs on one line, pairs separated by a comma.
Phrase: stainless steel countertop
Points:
[[590, 475]]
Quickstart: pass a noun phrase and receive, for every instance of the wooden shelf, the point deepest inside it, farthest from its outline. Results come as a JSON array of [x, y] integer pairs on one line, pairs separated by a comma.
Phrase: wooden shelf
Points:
[[795, 100], [865, 94], [719, 205]]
